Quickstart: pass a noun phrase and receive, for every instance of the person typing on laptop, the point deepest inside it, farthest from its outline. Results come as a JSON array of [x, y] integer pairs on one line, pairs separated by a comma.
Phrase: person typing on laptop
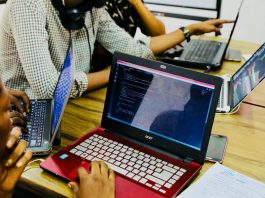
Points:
[[20, 108], [39, 32], [14, 159]]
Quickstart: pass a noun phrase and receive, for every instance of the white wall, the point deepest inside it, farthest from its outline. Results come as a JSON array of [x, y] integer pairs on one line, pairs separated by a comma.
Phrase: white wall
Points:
[[250, 26], [2, 6]]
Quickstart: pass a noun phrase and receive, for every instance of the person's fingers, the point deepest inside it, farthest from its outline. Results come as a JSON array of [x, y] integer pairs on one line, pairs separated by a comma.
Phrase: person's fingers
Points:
[[17, 153], [24, 160], [14, 137], [111, 174], [18, 104], [104, 170], [17, 114], [82, 173], [95, 169], [24, 100], [18, 119], [75, 188]]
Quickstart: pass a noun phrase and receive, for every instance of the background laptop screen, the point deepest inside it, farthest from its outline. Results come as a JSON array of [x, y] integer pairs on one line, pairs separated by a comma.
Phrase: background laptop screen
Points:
[[62, 90], [169, 106], [248, 77]]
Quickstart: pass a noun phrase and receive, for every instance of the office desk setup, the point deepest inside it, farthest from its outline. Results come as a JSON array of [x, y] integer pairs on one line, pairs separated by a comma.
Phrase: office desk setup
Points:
[[245, 131]]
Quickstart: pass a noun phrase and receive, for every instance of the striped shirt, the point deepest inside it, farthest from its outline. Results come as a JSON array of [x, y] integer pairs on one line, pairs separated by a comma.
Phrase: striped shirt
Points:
[[33, 46]]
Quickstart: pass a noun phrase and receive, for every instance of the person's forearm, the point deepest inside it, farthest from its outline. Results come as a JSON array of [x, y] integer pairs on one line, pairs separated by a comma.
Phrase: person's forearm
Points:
[[98, 79], [153, 26], [159, 44]]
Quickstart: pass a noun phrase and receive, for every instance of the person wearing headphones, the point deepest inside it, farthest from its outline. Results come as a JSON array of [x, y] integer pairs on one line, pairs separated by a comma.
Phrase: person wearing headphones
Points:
[[35, 36], [14, 159]]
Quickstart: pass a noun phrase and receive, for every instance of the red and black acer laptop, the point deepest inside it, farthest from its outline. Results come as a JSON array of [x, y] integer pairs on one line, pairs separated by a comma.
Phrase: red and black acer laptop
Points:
[[155, 128]]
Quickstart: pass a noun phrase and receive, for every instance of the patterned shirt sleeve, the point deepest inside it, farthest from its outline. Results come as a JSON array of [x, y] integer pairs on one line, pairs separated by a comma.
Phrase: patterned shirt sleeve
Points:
[[31, 41], [114, 38]]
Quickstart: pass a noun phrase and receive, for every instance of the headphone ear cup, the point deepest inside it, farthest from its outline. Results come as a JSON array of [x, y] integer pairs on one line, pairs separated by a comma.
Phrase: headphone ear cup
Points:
[[73, 19]]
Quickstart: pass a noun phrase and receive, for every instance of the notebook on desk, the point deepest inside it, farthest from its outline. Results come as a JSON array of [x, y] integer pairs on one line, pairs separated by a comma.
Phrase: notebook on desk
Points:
[[45, 115], [199, 53], [240, 85], [155, 128]]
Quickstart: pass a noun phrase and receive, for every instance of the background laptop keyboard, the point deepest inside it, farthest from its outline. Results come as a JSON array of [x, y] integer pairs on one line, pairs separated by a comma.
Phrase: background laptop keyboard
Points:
[[141, 167], [35, 123], [201, 51]]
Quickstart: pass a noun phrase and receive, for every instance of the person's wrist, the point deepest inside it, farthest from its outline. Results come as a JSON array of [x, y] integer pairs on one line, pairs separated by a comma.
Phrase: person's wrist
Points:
[[186, 33], [192, 29]]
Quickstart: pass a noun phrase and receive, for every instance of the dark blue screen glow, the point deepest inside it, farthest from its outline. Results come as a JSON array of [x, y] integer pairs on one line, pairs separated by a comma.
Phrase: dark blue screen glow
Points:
[[172, 107]]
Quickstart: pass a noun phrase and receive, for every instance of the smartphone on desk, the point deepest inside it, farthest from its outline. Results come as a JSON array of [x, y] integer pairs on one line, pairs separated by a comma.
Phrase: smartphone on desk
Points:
[[216, 148]]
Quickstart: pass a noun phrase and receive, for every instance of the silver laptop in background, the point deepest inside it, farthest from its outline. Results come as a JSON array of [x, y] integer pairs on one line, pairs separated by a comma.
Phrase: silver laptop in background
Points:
[[44, 119], [201, 53], [237, 87]]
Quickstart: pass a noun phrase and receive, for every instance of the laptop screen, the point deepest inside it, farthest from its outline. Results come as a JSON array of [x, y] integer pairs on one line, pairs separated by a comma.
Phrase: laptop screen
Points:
[[248, 76], [172, 107], [62, 91]]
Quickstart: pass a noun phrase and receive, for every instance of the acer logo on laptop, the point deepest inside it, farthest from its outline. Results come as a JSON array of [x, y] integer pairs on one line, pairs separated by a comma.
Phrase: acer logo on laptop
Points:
[[163, 66], [148, 137]]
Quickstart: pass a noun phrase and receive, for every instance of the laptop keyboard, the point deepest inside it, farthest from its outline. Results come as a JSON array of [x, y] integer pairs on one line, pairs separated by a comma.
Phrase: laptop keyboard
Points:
[[201, 51], [141, 167], [35, 123]]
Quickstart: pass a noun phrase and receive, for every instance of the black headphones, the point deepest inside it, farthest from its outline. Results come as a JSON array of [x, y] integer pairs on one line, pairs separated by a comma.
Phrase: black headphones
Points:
[[74, 18]]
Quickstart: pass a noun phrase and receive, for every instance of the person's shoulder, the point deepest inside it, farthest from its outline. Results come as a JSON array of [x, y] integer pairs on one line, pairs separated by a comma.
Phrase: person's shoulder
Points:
[[26, 4]]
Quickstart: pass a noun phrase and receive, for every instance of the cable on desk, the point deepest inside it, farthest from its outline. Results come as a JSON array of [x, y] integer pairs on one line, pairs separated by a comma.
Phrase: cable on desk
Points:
[[230, 113], [31, 162]]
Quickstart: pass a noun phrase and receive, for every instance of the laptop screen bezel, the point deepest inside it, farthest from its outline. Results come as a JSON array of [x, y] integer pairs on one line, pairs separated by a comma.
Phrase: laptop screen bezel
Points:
[[233, 106], [131, 132]]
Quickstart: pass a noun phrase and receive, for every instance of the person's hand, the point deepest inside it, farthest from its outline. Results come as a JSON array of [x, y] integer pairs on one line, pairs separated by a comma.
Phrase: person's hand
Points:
[[100, 183], [21, 101], [14, 162], [18, 120], [214, 25]]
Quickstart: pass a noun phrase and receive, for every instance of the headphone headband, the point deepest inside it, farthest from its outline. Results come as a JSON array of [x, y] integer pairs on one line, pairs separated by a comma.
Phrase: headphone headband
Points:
[[74, 18]]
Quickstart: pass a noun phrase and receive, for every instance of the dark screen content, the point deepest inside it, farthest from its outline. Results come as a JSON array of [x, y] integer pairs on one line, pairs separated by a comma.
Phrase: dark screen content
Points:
[[165, 106]]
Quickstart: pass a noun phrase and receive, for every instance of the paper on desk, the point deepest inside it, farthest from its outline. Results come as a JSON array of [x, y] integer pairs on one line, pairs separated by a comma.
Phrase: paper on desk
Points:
[[222, 182]]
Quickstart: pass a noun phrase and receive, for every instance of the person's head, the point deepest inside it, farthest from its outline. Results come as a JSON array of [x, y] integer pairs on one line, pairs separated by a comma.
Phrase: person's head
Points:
[[5, 124]]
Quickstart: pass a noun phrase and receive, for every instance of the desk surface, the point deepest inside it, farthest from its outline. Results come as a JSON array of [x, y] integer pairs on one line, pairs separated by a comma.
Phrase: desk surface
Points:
[[245, 131]]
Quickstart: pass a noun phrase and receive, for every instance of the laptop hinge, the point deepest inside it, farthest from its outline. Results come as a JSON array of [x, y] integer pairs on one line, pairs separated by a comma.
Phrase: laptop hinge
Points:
[[188, 160]]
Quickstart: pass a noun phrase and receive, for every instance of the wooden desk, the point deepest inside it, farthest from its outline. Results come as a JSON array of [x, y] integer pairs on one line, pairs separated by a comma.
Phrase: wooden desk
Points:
[[245, 152], [245, 130]]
